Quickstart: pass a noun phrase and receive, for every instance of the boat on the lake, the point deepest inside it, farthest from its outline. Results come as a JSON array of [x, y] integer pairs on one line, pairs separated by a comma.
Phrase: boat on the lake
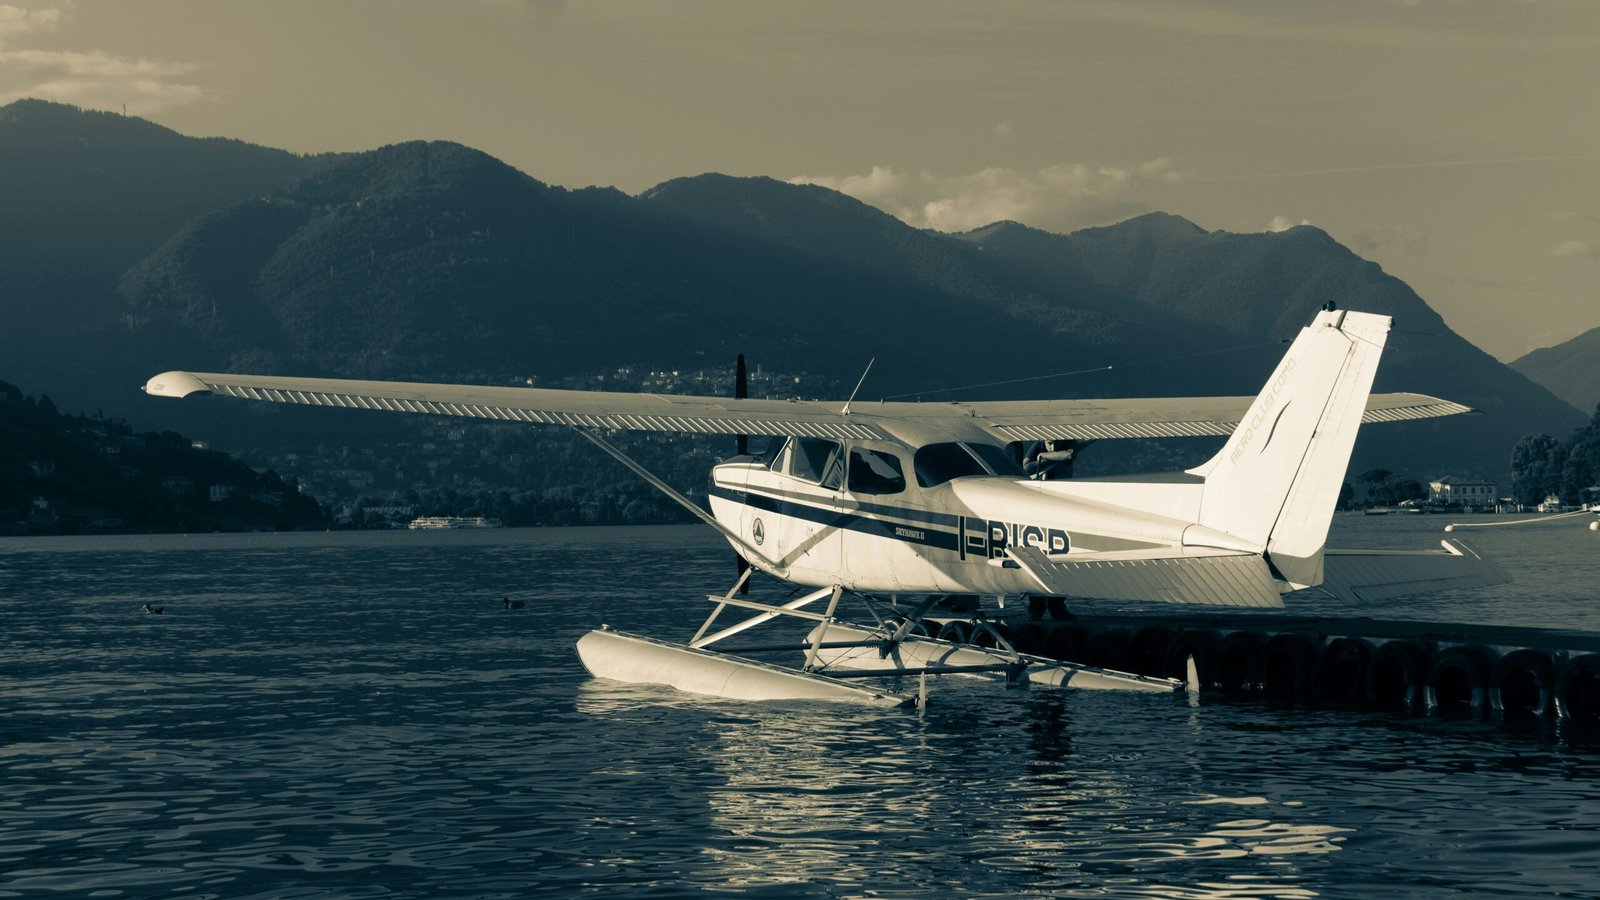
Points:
[[430, 523]]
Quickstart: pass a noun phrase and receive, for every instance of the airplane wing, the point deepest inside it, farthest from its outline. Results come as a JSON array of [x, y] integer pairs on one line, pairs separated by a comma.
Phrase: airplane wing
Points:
[[1006, 420], [587, 409]]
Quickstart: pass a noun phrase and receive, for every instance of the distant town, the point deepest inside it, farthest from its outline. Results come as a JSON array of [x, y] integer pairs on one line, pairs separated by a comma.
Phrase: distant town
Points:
[[91, 475]]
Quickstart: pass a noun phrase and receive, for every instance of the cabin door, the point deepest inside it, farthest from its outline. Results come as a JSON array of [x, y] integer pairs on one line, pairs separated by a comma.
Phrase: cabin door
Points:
[[802, 522]]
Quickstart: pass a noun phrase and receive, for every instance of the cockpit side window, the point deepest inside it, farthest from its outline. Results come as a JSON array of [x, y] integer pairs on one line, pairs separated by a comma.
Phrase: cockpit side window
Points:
[[997, 459], [817, 460], [937, 463], [872, 472]]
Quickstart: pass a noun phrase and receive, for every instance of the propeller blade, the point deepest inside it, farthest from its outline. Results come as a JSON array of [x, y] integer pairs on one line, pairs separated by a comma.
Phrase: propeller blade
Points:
[[741, 391]]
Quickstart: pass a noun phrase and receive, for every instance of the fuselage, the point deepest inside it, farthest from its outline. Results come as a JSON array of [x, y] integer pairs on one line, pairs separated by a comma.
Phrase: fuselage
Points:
[[876, 516]]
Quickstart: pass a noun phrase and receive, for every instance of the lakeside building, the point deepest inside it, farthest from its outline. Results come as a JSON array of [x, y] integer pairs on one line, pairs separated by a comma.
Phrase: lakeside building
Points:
[[1461, 492]]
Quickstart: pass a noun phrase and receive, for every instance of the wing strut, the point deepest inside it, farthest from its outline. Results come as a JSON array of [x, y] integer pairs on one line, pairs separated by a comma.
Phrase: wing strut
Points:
[[774, 570]]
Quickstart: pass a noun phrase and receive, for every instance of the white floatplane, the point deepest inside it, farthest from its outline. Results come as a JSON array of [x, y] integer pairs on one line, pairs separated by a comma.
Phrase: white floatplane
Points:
[[883, 501]]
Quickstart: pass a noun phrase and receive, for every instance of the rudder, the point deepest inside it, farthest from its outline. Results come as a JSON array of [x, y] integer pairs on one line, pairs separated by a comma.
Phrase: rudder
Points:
[[1273, 486]]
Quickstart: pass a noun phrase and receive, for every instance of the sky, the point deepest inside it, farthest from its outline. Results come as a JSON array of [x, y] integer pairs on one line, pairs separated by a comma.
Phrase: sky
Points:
[[1454, 142]]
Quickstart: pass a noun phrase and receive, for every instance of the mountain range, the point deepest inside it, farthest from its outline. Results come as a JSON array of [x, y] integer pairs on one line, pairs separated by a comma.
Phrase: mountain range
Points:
[[1570, 370], [127, 249]]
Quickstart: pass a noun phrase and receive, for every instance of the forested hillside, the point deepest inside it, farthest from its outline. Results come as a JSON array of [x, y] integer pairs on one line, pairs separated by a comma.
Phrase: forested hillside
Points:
[[138, 250], [66, 474]]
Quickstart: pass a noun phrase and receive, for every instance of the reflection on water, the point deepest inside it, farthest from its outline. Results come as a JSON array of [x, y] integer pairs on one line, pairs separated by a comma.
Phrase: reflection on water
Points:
[[351, 715], [812, 796]]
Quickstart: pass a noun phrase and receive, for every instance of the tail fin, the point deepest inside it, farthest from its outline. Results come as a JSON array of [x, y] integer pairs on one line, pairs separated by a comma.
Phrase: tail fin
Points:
[[1274, 484]]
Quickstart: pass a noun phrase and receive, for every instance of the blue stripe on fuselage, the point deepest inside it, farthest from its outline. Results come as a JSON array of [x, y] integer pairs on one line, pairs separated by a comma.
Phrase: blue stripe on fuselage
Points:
[[913, 529]]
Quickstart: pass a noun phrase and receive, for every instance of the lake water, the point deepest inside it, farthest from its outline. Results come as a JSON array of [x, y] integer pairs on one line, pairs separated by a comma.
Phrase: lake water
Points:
[[357, 715]]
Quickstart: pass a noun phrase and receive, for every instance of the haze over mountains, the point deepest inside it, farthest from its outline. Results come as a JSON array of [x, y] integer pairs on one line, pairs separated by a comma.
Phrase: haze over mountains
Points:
[[127, 249], [1570, 370]]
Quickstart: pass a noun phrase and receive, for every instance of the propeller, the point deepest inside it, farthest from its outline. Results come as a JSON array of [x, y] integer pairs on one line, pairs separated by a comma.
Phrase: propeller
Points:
[[741, 391]]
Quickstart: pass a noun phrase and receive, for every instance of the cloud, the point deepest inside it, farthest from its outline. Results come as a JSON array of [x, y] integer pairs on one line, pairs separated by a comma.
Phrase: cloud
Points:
[[548, 9], [1582, 249], [1400, 239], [1574, 217], [95, 64], [91, 79], [1060, 196], [16, 20], [1429, 25], [877, 185], [1281, 223]]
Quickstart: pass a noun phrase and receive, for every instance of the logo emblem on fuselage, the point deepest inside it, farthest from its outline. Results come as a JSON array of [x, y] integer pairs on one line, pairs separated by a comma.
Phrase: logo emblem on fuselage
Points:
[[758, 531]]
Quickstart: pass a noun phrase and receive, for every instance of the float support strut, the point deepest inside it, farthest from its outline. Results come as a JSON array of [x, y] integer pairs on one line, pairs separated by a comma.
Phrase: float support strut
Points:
[[753, 621], [827, 619]]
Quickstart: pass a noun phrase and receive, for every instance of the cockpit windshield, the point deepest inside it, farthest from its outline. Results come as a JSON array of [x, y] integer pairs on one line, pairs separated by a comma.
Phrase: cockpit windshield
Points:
[[937, 463], [774, 447]]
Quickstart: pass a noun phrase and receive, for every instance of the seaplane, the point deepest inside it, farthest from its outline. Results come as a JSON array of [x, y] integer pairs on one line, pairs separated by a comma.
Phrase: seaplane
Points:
[[904, 506]]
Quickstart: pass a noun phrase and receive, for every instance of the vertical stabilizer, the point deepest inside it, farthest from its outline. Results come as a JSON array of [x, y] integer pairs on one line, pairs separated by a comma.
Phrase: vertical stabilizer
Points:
[[1274, 485]]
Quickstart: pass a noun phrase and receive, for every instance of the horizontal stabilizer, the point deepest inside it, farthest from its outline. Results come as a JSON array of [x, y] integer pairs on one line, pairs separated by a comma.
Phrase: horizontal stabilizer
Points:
[[1209, 577], [1383, 574], [1089, 420]]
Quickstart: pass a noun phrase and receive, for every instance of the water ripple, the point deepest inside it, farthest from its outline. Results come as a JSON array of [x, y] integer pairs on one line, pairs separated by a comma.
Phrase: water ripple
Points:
[[357, 715]]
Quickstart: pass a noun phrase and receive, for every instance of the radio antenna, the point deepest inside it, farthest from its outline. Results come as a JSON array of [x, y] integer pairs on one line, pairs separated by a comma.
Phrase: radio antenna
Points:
[[846, 410]]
